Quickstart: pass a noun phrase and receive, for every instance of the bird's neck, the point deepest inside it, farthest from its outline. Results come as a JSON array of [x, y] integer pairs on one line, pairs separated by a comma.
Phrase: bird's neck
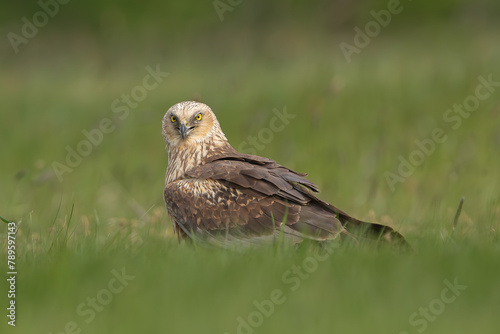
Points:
[[185, 156]]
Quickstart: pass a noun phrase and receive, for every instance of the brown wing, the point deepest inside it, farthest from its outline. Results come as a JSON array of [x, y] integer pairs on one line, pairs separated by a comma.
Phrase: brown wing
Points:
[[360, 228], [235, 198], [246, 196]]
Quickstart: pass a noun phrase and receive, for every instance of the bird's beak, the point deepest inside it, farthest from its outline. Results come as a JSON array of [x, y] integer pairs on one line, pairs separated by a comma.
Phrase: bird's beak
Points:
[[184, 130]]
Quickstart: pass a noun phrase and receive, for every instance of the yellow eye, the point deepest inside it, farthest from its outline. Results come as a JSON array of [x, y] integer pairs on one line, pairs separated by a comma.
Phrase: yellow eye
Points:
[[198, 117], [173, 119]]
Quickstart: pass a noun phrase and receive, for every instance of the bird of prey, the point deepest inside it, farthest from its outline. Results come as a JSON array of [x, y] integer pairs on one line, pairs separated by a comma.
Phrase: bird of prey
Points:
[[216, 195]]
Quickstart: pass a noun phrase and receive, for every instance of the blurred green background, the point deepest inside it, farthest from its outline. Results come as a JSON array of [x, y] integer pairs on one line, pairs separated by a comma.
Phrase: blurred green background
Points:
[[353, 123]]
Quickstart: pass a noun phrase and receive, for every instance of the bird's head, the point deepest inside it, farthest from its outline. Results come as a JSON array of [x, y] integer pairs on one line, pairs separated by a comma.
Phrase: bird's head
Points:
[[190, 122]]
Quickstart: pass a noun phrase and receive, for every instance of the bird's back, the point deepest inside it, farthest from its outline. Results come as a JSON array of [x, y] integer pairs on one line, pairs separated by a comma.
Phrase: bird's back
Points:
[[234, 196]]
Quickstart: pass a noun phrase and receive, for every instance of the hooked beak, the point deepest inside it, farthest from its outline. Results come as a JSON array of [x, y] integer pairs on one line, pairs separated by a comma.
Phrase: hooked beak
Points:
[[184, 130]]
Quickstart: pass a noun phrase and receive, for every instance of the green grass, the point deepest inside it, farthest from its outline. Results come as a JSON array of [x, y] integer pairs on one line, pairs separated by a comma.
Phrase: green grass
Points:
[[352, 122]]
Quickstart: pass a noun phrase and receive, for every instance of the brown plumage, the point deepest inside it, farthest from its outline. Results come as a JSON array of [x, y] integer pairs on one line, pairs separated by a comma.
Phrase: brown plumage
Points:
[[217, 195]]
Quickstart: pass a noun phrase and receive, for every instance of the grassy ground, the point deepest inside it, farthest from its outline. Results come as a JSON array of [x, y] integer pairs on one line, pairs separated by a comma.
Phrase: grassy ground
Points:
[[352, 123]]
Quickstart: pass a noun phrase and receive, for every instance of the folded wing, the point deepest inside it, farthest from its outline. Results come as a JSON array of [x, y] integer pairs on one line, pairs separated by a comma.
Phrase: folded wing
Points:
[[245, 197]]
